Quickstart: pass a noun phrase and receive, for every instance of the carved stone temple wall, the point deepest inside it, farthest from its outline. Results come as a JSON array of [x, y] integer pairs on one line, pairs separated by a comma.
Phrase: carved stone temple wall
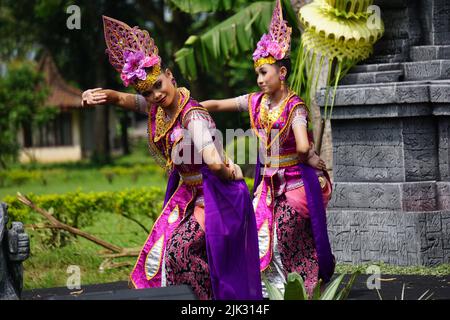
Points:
[[390, 134]]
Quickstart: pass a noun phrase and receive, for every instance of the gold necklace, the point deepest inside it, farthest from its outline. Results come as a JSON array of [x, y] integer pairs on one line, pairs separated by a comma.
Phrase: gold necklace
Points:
[[163, 125], [270, 116]]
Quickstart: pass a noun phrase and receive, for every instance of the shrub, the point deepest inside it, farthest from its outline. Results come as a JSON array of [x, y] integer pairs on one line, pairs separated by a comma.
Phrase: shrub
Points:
[[78, 209]]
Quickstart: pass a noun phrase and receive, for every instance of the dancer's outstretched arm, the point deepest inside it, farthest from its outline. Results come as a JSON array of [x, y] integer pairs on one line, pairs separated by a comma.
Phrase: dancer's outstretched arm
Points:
[[99, 96], [220, 105]]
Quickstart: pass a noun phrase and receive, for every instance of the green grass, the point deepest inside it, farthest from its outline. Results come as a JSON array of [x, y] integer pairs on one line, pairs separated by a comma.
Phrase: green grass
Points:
[[441, 270], [86, 176], [47, 268], [87, 180]]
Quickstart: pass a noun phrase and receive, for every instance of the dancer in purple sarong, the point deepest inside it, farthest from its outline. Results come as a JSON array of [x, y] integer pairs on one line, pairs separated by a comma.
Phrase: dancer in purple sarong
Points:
[[293, 188], [206, 234]]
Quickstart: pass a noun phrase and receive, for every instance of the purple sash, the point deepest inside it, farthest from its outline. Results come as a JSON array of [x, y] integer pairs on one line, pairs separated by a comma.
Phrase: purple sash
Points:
[[318, 218], [231, 239]]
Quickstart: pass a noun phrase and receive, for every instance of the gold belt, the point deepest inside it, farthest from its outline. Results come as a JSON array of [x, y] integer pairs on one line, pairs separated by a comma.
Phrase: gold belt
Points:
[[282, 161], [288, 160], [192, 179]]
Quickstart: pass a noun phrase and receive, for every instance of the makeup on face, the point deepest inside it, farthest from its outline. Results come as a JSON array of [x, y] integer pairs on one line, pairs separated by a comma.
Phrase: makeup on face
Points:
[[268, 78], [160, 93]]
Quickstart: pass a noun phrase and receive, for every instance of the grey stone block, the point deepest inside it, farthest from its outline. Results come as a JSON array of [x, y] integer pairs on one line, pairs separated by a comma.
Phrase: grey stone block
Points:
[[363, 174], [403, 196], [444, 148], [384, 196], [429, 70], [390, 4], [411, 93], [419, 196], [440, 38], [420, 165], [426, 53], [376, 67], [440, 93], [443, 195], [372, 77], [387, 58], [394, 237], [377, 95]]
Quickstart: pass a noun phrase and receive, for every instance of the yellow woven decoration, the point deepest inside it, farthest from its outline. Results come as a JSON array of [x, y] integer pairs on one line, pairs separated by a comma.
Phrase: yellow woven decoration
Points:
[[337, 34], [152, 76], [348, 8], [268, 60], [337, 29]]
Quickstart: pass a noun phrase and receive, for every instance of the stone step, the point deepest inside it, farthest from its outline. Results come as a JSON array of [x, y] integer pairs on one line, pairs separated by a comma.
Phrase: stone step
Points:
[[372, 77], [376, 67], [427, 70], [388, 58], [427, 53]]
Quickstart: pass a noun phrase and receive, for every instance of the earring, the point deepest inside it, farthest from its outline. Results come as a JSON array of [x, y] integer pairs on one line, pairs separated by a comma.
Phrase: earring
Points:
[[174, 82], [282, 78]]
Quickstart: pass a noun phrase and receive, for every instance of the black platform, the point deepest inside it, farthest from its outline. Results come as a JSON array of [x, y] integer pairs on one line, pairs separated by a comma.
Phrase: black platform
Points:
[[110, 291], [391, 289]]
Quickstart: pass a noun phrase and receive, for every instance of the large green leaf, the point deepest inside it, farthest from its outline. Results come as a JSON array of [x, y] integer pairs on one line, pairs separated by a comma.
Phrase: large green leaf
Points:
[[345, 292], [272, 291], [330, 291], [295, 288], [197, 6], [234, 36]]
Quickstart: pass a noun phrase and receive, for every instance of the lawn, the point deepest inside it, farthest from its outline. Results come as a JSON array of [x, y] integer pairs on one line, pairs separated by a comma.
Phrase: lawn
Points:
[[85, 176], [49, 268]]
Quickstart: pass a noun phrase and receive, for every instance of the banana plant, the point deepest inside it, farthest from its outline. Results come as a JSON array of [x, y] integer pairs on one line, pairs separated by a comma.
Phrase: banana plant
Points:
[[232, 37], [197, 6], [295, 289]]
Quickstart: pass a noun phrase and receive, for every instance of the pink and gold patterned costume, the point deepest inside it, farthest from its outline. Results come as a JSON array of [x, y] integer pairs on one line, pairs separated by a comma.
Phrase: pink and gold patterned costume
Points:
[[206, 234], [286, 243], [149, 270]]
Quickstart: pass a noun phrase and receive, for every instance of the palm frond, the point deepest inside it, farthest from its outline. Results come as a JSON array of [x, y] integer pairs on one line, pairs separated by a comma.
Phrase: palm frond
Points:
[[197, 6], [235, 35]]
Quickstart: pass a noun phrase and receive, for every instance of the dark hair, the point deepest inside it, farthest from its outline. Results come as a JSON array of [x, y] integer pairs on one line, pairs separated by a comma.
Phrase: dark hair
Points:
[[286, 62]]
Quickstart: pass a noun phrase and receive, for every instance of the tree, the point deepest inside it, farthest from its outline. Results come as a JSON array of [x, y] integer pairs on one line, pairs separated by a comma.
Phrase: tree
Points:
[[22, 104]]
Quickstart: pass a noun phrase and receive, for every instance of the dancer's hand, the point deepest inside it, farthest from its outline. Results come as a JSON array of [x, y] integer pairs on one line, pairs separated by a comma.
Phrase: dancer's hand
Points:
[[97, 96], [238, 173], [258, 190], [316, 162]]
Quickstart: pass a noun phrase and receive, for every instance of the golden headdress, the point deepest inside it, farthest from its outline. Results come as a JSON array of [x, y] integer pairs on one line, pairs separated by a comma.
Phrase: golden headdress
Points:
[[133, 53]]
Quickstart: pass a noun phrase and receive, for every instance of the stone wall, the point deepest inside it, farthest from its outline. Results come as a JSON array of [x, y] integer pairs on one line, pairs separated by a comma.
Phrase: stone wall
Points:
[[390, 134]]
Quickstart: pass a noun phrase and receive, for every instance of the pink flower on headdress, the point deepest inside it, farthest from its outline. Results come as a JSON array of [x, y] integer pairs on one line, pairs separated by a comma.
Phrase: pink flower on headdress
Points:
[[274, 50], [135, 62], [267, 46], [261, 47]]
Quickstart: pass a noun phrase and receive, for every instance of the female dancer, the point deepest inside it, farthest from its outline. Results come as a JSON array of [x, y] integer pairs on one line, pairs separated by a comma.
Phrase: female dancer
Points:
[[290, 197], [206, 234]]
